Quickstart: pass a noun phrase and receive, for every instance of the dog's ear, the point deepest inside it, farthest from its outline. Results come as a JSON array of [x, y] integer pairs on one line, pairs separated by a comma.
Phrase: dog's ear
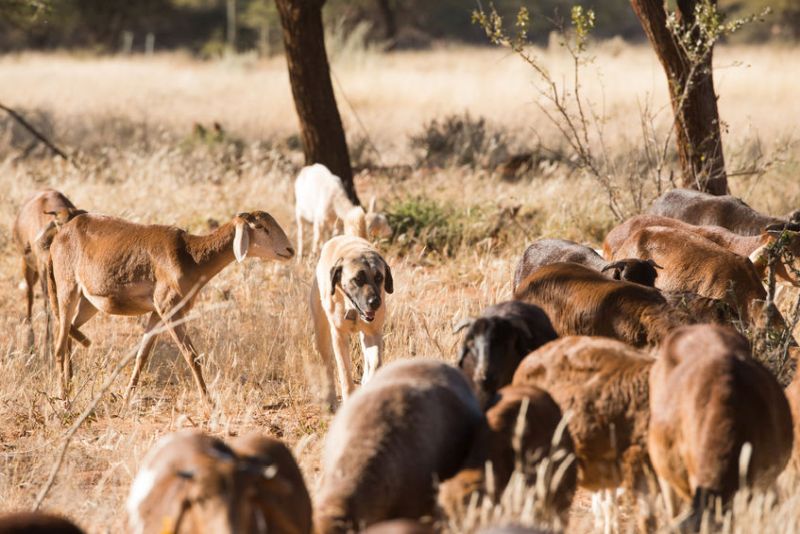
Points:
[[336, 275], [388, 283]]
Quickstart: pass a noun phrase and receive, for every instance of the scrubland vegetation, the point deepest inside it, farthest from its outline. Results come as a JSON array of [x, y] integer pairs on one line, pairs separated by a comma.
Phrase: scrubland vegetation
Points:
[[427, 131]]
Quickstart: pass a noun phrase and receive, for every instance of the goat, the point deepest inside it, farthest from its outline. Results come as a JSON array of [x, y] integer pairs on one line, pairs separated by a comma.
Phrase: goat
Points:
[[190, 482], [581, 301], [497, 341], [414, 423], [696, 207], [289, 512], [693, 263], [708, 397], [602, 385], [548, 251], [525, 429], [751, 246], [33, 229], [36, 523], [122, 268], [320, 199]]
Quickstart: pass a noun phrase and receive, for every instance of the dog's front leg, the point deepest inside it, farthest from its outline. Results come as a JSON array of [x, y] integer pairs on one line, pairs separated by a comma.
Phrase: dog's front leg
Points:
[[341, 350], [372, 349]]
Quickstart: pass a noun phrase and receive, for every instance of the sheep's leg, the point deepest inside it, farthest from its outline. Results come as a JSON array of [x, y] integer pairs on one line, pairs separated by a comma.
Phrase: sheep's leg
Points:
[[143, 353], [85, 312], [68, 298], [178, 332], [372, 349], [341, 350], [315, 244], [29, 276], [299, 237]]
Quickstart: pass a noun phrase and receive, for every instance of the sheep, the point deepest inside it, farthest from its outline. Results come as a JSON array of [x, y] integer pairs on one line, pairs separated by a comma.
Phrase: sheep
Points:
[[104, 263], [547, 251], [702, 309], [191, 482], [320, 199], [497, 341], [708, 397], [730, 212], [581, 301], [36, 523], [752, 246], [525, 429], [289, 512], [602, 385], [793, 397], [412, 425], [33, 227], [693, 263]]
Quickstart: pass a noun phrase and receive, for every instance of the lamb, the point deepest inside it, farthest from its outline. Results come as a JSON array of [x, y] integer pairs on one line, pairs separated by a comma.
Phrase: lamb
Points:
[[730, 212], [413, 424], [320, 199], [602, 384], [525, 429], [497, 341], [752, 246], [693, 263], [581, 301], [708, 398], [547, 251], [36, 523], [191, 482], [33, 228], [109, 264]]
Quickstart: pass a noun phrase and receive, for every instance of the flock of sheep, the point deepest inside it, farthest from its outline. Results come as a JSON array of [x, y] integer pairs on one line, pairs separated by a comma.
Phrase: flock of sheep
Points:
[[600, 372]]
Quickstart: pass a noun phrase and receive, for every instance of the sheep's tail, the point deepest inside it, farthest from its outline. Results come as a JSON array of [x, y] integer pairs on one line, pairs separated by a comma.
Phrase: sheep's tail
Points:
[[355, 223]]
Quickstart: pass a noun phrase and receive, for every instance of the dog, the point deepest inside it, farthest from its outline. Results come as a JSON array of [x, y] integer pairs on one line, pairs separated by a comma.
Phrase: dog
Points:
[[348, 296]]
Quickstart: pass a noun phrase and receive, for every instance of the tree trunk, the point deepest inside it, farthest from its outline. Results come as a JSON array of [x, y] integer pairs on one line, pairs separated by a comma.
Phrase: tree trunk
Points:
[[309, 73], [694, 102], [389, 20], [230, 15]]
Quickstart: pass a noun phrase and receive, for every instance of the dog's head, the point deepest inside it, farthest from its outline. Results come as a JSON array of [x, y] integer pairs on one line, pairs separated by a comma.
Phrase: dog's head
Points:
[[363, 278]]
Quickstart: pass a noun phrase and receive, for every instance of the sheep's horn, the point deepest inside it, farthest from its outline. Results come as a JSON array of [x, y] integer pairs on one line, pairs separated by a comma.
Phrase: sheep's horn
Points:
[[654, 264], [463, 324]]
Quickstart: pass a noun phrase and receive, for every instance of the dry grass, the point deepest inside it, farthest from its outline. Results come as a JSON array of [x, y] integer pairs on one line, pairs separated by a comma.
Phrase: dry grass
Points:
[[132, 119]]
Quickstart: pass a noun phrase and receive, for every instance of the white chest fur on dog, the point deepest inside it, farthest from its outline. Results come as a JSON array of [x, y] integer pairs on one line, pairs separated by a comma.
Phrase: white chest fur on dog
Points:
[[347, 297]]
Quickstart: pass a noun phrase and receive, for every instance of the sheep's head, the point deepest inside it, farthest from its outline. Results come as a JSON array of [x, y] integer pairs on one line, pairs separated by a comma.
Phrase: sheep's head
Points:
[[378, 226], [491, 352], [259, 234], [634, 270]]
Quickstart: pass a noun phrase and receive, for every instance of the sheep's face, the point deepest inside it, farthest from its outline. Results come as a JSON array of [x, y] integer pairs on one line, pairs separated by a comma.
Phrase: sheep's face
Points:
[[260, 235], [492, 350], [637, 271], [378, 226], [363, 279]]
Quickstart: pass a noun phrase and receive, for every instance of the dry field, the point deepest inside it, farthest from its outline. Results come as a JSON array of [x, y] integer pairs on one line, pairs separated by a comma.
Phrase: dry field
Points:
[[131, 123]]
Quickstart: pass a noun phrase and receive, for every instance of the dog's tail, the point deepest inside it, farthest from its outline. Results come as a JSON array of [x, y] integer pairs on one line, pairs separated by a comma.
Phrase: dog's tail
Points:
[[355, 223]]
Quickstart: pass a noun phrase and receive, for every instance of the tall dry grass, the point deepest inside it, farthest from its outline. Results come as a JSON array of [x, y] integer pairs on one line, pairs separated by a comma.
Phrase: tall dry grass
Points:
[[131, 121]]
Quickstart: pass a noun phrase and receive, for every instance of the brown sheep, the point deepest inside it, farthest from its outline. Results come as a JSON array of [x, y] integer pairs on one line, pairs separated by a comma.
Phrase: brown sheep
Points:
[[753, 247], [581, 301], [601, 384], [702, 309], [191, 483], [708, 397], [412, 425], [730, 212], [280, 511], [521, 445], [36, 523], [693, 263], [32, 230], [497, 341], [548, 251]]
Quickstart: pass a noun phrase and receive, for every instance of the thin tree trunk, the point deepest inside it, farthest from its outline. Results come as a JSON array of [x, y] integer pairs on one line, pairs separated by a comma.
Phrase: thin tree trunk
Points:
[[230, 12], [309, 73], [694, 102], [389, 19]]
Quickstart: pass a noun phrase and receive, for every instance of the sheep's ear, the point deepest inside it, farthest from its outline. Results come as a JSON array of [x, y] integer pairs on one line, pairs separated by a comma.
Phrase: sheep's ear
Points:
[[336, 275], [241, 240], [465, 323], [372, 201], [654, 264], [618, 266], [388, 281]]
